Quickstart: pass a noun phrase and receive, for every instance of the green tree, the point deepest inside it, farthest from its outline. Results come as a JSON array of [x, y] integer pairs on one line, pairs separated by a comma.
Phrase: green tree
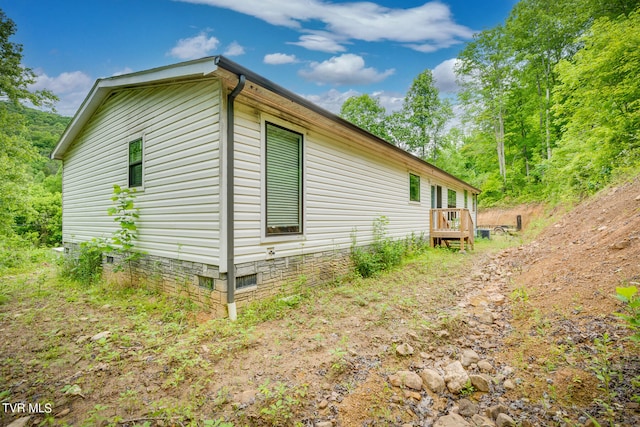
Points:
[[598, 105], [17, 154], [426, 116], [14, 77], [486, 74], [542, 33], [367, 113]]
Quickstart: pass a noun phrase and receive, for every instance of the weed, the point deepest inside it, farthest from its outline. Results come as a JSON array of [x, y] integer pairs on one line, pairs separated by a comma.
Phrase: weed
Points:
[[385, 253], [124, 238], [280, 403], [604, 372], [85, 265], [629, 296], [468, 389], [339, 363], [96, 416]]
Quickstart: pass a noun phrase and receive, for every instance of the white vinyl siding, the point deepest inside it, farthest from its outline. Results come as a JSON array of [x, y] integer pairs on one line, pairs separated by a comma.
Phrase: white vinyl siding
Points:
[[344, 190], [180, 202]]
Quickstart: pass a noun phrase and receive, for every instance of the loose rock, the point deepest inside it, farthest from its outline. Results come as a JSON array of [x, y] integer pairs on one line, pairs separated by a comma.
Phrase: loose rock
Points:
[[504, 420], [494, 411], [433, 380], [467, 408], [101, 335], [451, 420], [404, 349], [407, 379], [455, 377], [468, 357], [20, 422], [509, 385], [480, 382], [481, 421], [485, 366]]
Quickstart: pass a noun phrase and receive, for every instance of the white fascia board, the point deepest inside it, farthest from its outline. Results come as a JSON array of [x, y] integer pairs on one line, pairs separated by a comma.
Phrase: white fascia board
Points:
[[103, 87]]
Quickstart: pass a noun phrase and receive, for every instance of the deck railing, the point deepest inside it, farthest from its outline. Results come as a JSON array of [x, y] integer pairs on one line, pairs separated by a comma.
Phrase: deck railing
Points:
[[451, 224]]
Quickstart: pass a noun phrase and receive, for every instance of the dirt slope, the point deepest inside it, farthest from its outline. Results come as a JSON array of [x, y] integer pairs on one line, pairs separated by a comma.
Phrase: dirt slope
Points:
[[563, 304], [579, 260]]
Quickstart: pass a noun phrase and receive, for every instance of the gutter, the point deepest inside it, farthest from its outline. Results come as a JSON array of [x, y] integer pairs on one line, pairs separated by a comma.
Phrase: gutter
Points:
[[231, 268], [237, 69]]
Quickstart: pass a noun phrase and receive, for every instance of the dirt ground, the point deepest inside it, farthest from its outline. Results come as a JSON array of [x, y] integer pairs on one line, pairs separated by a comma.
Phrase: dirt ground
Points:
[[489, 218], [326, 357]]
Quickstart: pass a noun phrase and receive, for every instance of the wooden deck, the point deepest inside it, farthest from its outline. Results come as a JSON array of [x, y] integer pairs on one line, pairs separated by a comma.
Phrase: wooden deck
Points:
[[451, 225]]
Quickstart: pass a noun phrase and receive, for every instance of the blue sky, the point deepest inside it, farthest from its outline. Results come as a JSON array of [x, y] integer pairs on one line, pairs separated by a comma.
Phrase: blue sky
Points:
[[323, 50]]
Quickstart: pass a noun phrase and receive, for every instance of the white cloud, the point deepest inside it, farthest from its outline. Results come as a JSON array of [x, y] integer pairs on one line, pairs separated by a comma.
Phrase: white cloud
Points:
[[234, 49], [279, 59], [391, 101], [70, 87], [342, 70], [332, 100], [194, 47], [320, 42], [445, 76], [425, 28]]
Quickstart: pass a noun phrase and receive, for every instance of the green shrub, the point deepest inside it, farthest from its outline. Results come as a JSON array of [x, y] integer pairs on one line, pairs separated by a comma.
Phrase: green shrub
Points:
[[629, 295], [85, 265], [385, 253]]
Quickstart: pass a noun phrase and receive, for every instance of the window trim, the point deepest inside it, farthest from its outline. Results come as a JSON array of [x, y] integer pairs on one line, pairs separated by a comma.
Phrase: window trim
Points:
[[288, 237], [411, 177], [130, 141]]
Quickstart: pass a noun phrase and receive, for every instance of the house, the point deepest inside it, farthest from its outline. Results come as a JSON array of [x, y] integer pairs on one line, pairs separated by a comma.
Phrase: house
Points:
[[241, 181]]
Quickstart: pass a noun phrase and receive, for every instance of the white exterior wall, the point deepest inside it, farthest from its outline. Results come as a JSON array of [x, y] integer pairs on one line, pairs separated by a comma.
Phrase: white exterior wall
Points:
[[180, 199], [344, 189]]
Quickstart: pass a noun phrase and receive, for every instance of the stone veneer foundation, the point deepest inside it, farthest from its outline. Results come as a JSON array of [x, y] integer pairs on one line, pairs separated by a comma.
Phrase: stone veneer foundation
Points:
[[205, 285]]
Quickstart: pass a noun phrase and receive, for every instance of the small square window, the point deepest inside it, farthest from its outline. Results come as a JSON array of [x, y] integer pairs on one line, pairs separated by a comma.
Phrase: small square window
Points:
[[246, 281], [414, 188], [205, 282]]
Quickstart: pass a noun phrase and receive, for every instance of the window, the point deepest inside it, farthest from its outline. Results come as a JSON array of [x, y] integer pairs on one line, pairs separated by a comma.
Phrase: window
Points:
[[246, 281], [466, 203], [438, 197], [135, 163], [451, 198], [414, 188], [283, 181], [433, 197], [205, 282]]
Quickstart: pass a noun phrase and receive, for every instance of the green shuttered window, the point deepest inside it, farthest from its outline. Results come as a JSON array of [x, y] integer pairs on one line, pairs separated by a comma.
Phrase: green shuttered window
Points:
[[284, 181], [135, 163]]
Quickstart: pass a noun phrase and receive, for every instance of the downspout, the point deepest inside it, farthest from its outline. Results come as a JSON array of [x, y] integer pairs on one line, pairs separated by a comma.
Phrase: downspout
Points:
[[231, 269]]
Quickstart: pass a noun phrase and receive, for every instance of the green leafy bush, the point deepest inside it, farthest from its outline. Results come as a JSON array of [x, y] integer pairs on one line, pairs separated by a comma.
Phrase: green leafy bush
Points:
[[123, 239], [85, 265], [385, 253], [629, 295]]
